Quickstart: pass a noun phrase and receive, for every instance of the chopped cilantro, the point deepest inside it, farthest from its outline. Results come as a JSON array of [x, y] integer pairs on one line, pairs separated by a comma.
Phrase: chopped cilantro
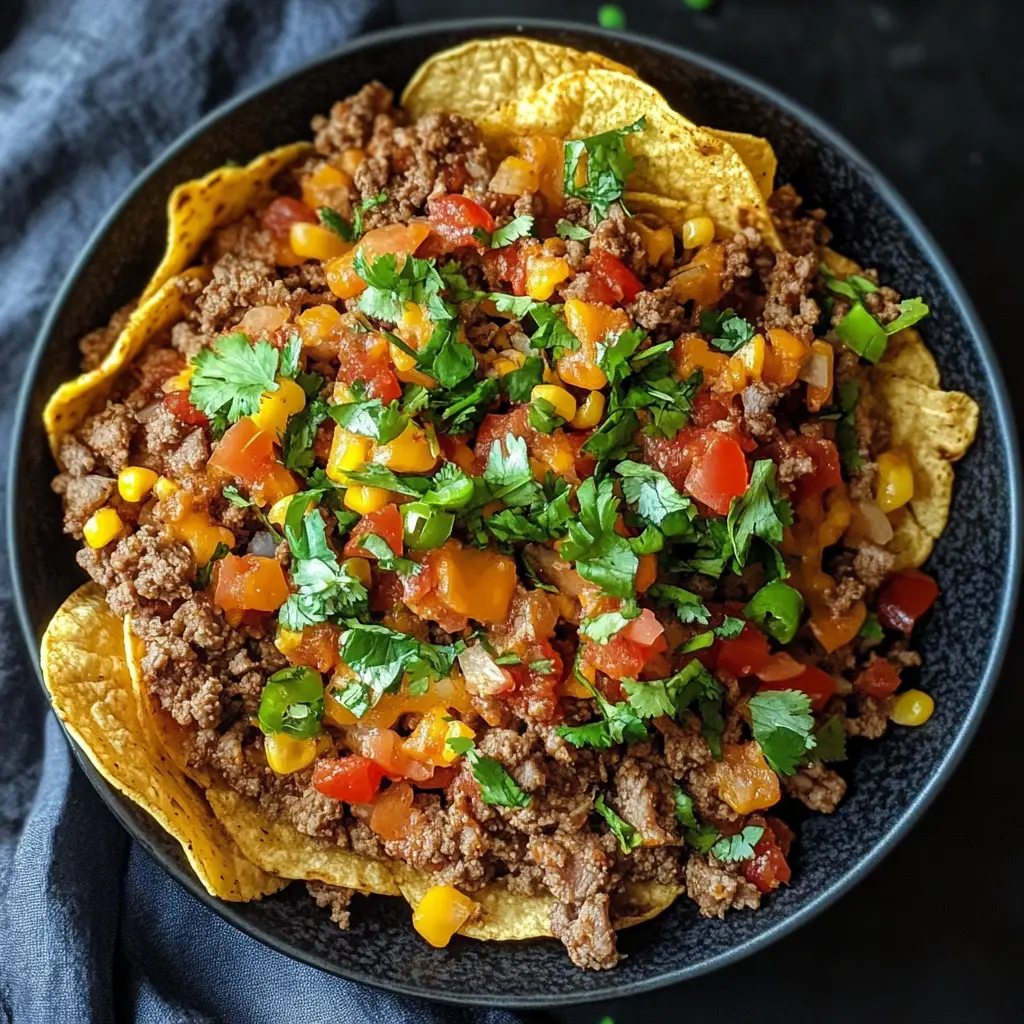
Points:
[[231, 493], [497, 787], [290, 357], [341, 227], [727, 331], [542, 416], [781, 722], [600, 554], [608, 166], [713, 550], [566, 229], [448, 360], [614, 354], [542, 666], [299, 434], [603, 627], [381, 657], [386, 558], [628, 837], [759, 513], [656, 499], [687, 605], [699, 836], [738, 847], [205, 572], [551, 332], [518, 227], [829, 740], [730, 628], [229, 379], [370, 418], [618, 723], [519, 384]]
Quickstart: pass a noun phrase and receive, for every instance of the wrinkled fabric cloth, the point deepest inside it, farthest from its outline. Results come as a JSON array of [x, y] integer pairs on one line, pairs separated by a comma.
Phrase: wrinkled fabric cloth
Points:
[[91, 929]]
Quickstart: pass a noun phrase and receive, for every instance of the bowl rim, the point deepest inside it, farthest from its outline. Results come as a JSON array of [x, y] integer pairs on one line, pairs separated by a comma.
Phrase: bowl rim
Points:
[[922, 238]]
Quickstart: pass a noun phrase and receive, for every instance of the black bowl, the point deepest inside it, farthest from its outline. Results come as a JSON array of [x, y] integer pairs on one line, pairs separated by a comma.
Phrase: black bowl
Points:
[[976, 562]]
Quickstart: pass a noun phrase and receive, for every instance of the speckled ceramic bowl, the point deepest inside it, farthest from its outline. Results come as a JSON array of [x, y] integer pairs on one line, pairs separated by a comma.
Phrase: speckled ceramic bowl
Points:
[[976, 561]]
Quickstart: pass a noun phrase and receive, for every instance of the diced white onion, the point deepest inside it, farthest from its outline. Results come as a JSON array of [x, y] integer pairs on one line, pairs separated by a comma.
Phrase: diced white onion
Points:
[[262, 544], [146, 413], [815, 371], [483, 676], [879, 527]]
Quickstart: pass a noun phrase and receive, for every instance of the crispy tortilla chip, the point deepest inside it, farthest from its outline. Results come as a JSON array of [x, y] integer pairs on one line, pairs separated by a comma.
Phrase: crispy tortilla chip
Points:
[[196, 208], [86, 673], [907, 356], [674, 158], [280, 848], [756, 153], [475, 78], [75, 399], [934, 428]]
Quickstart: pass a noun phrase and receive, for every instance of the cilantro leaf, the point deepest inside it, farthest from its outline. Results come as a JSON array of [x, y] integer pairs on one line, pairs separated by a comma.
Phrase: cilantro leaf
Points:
[[628, 837], [656, 499], [205, 572], [700, 837], [518, 227], [460, 408], [566, 229], [618, 723], [290, 357], [600, 554], [613, 439], [448, 360], [829, 741], [542, 416], [738, 847], [518, 305], [781, 722], [335, 222], [232, 494], [508, 476], [609, 164], [712, 551], [519, 384], [386, 558], [229, 379], [381, 657], [687, 605], [370, 418], [299, 435], [614, 354], [650, 699], [603, 627], [361, 207], [727, 331], [545, 519], [497, 787], [761, 513], [911, 311], [552, 332]]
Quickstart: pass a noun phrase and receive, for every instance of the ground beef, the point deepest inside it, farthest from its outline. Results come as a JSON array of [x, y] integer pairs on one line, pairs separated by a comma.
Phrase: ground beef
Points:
[[801, 232], [643, 797], [351, 122], [617, 235], [333, 897], [716, 887], [658, 311], [82, 495], [818, 788], [96, 344], [576, 865], [788, 304], [872, 718], [758, 401], [843, 596], [108, 435], [793, 462], [190, 456], [587, 933], [871, 564], [238, 284]]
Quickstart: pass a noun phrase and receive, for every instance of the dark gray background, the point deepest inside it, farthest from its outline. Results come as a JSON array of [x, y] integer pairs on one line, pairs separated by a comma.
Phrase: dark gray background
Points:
[[933, 94]]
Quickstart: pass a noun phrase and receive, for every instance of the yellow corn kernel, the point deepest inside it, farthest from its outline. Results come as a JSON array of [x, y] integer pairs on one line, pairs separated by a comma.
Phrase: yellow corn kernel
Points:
[[348, 451], [912, 707], [164, 487], [287, 640], [202, 535], [279, 510], [657, 241], [135, 482], [698, 231], [317, 323], [543, 273], [103, 526], [181, 381], [564, 403], [360, 568], [286, 754], [315, 242], [515, 177], [751, 357], [277, 406], [441, 913], [324, 186], [895, 481], [410, 452], [590, 412], [365, 500], [456, 730], [508, 362]]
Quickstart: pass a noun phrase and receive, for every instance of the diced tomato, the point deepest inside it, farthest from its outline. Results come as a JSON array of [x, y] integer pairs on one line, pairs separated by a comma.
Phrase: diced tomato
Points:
[[284, 211], [534, 693], [419, 592], [784, 835], [318, 647], [644, 629], [354, 779], [180, 407], [674, 456], [507, 264], [385, 523], [768, 868], [456, 217], [904, 598], [621, 657], [596, 289], [249, 583], [364, 357], [387, 591], [707, 410], [384, 746], [878, 679], [248, 454], [818, 685], [393, 813], [617, 278], [719, 474], [826, 473], [744, 655]]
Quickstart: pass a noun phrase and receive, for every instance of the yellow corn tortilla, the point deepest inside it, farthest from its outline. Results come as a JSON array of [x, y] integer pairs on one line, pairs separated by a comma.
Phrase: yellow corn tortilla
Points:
[[675, 159], [479, 77], [86, 673]]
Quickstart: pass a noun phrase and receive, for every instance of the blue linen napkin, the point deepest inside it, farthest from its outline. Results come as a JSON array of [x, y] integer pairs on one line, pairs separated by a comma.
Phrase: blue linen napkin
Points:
[[91, 928]]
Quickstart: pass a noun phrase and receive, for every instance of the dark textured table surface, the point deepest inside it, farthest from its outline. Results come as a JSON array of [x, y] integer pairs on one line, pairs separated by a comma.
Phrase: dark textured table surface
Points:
[[931, 91]]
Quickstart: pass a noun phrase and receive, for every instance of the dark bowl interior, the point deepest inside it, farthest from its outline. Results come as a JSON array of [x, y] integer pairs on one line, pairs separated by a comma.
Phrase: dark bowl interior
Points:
[[976, 562]]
